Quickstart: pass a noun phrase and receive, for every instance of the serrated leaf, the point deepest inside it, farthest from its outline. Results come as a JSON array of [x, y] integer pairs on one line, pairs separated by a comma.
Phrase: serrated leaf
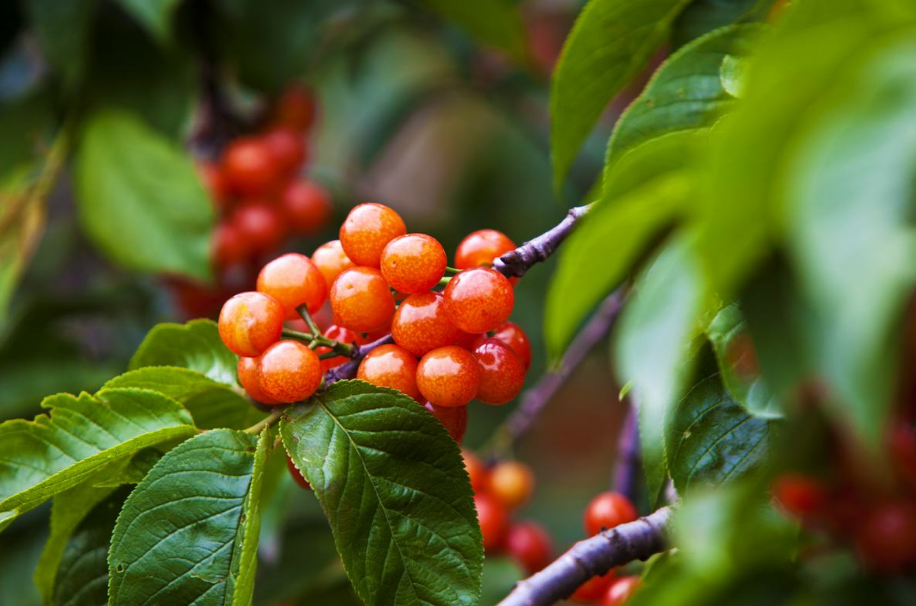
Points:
[[188, 532], [494, 22], [195, 345], [609, 45], [140, 199], [394, 489], [155, 15], [55, 452], [712, 439]]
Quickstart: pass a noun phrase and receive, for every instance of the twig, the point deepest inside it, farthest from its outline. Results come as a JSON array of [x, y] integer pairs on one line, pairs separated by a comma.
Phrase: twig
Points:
[[516, 262], [627, 464], [595, 556], [347, 370]]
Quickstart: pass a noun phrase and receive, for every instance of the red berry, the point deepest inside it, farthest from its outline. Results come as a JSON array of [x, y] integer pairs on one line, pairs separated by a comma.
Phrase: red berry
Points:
[[621, 590], [341, 335], [512, 335], [249, 167], [448, 376], [289, 371], [420, 324], [413, 263], [390, 366], [331, 260], [295, 108], [215, 183], [366, 232], [529, 545], [511, 483], [477, 471], [607, 510], [229, 247], [494, 521], [293, 280], [259, 225], [502, 374], [886, 537], [287, 148], [250, 322], [593, 589], [453, 418], [248, 376], [306, 206], [479, 300], [361, 300], [800, 495], [297, 475], [481, 247]]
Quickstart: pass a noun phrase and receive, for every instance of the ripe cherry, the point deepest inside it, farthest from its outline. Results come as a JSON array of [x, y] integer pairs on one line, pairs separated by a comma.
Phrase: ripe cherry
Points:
[[448, 376], [293, 280], [250, 322], [287, 147], [494, 521], [420, 324], [886, 537], [361, 300], [341, 335], [453, 418], [229, 247], [390, 366], [607, 510], [260, 225], [297, 475], [247, 370], [800, 495], [502, 374], [249, 167], [306, 205], [295, 108], [511, 483], [331, 260], [289, 371], [594, 589], [621, 590], [479, 300], [529, 545], [477, 471], [512, 335], [413, 263], [366, 232], [481, 247]]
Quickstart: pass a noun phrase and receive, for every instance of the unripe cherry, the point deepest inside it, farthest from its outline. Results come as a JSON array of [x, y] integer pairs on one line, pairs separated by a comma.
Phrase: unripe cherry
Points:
[[361, 300], [529, 545], [620, 591], [249, 167], [421, 325], [297, 475], [481, 247], [250, 322], [413, 263], [306, 205], [607, 510], [367, 230], [247, 370], [511, 483], [502, 374], [390, 366], [494, 521], [293, 280], [289, 371], [479, 300], [448, 376], [453, 418], [331, 260]]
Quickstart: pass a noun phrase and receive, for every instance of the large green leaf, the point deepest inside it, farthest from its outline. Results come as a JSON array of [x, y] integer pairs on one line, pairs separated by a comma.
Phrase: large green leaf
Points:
[[704, 16], [155, 15], [494, 22], [188, 533], [610, 43], [44, 457], [195, 345], [140, 199], [63, 31], [394, 489]]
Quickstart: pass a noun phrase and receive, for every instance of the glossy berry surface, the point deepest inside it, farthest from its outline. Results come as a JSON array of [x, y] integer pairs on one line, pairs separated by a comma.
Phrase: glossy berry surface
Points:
[[479, 300], [249, 167], [390, 366], [247, 370], [512, 335], [494, 521], [607, 510], [593, 589], [287, 148], [250, 322], [477, 471], [295, 109], [481, 247], [306, 206], [413, 263], [293, 280], [366, 232], [502, 374], [421, 325], [289, 371], [297, 475], [331, 260], [448, 376], [800, 495], [259, 225], [886, 537], [511, 483], [620, 591], [341, 335], [530, 546], [361, 300], [453, 418]]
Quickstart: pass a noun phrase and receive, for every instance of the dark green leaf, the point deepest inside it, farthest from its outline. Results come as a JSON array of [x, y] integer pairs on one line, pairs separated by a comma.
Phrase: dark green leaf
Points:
[[395, 491], [141, 200], [188, 533], [494, 22], [155, 15], [63, 30], [704, 16], [195, 345], [24, 126]]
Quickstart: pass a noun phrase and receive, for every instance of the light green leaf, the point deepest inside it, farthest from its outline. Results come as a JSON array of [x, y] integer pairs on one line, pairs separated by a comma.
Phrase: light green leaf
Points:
[[199, 511], [195, 345], [395, 491], [155, 15], [44, 457], [609, 45], [494, 22], [140, 199]]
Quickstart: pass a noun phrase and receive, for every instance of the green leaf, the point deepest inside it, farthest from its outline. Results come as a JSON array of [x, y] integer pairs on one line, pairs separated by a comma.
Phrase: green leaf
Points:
[[63, 31], [609, 45], [494, 22], [394, 489], [704, 16], [155, 15], [140, 199], [500, 575], [712, 439], [195, 345], [44, 457], [188, 532]]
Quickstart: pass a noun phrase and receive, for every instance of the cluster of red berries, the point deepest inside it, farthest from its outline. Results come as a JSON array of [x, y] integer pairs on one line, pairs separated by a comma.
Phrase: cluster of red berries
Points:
[[502, 489]]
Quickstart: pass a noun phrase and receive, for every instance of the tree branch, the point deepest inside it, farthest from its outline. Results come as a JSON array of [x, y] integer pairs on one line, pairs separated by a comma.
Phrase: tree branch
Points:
[[347, 370], [595, 556], [627, 464]]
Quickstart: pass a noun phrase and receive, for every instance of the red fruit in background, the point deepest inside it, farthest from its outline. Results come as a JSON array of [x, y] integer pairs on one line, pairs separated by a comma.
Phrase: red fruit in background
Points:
[[293, 280], [800, 495], [195, 300], [903, 453], [259, 225], [331, 260], [453, 418], [413, 263], [607, 510], [448, 376], [250, 322], [366, 232], [621, 590], [481, 247], [390, 366], [530, 545], [494, 521], [502, 374], [247, 371], [295, 108], [306, 205], [512, 335], [249, 167], [341, 335], [287, 147], [511, 483], [215, 183], [420, 324], [594, 589], [297, 475], [886, 537], [477, 471], [229, 247], [479, 300]]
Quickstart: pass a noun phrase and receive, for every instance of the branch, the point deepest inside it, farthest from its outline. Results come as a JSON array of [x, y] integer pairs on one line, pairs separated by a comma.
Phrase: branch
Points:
[[627, 465], [595, 556], [347, 370], [516, 262]]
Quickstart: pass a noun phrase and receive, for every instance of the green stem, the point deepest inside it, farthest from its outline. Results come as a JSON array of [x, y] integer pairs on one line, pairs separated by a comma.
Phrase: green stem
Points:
[[269, 420], [298, 336], [451, 271], [304, 312]]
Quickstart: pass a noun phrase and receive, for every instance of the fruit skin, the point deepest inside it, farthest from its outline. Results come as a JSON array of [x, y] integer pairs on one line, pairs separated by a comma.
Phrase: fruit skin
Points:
[[247, 370], [293, 280], [289, 371], [361, 300], [413, 263], [529, 545], [593, 589], [481, 248], [331, 260], [390, 366], [607, 510], [249, 167], [502, 374], [454, 419], [297, 475], [511, 483], [295, 108], [367, 230], [229, 246], [479, 300], [494, 521], [287, 148], [621, 590], [250, 322], [448, 376], [421, 325], [512, 335], [306, 205], [886, 537], [342, 335], [800, 495], [477, 471], [260, 226]]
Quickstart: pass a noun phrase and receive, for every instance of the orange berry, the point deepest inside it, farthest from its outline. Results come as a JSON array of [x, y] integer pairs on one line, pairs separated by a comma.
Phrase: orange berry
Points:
[[250, 322], [249, 167], [366, 232], [361, 300], [529, 545], [448, 376], [477, 471], [593, 589], [297, 475], [481, 248], [306, 205], [621, 590], [607, 510], [342, 335], [479, 300], [453, 418], [295, 108], [287, 148], [248, 376], [511, 483], [289, 371], [331, 260], [293, 280], [502, 374], [420, 324], [494, 521], [390, 366], [413, 263], [512, 335]]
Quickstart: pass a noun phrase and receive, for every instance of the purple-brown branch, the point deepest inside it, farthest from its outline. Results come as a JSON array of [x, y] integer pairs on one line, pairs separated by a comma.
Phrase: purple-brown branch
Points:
[[347, 370], [626, 467], [626, 543]]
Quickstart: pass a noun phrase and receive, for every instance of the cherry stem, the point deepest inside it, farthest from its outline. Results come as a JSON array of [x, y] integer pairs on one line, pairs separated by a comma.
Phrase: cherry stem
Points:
[[451, 271], [305, 337], [303, 311], [267, 421]]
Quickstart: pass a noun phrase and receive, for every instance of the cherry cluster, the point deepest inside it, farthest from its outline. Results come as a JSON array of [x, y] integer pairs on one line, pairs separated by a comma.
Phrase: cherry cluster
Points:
[[501, 489]]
